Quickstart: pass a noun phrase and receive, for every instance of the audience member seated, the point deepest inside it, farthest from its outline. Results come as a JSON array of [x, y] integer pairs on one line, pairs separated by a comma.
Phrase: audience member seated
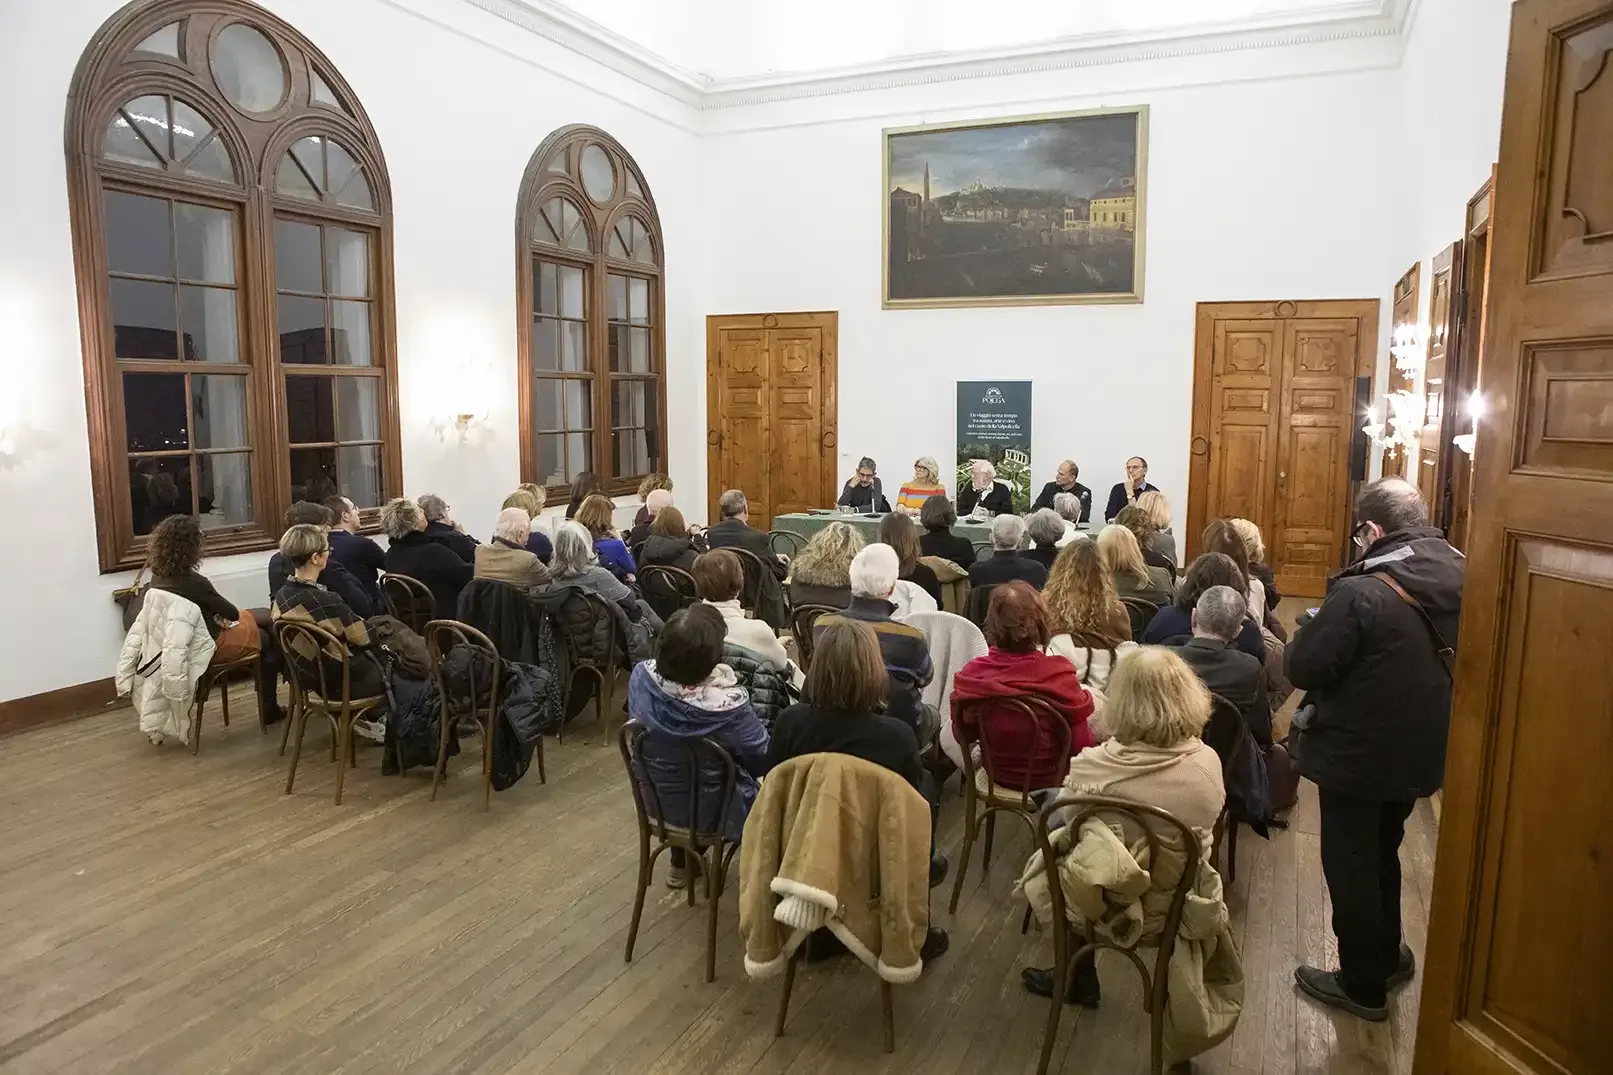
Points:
[[1173, 625], [735, 532], [684, 693], [938, 518], [441, 528], [335, 577], [905, 652], [1157, 707], [1123, 559], [1006, 563], [1015, 664], [719, 577], [925, 484], [654, 501], [1070, 511], [583, 486], [821, 573], [530, 499], [1088, 624], [1224, 669], [1157, 510], [410, 551], [172, 557], [668, 543], [576, 564], [597, 515], [506, 558], [1064, 482], [652, 483], [362, 558], [985, 494], [1136, 520], [1220, 536], [863, 491], [901, 533], [1254, 547], [303, 598], [841, 714], [1125, 493], [1046, 530]]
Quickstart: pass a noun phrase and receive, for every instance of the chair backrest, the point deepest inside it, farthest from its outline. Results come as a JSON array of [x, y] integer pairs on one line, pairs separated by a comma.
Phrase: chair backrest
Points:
[[1226, 729], [1156, 826], [751, 595], [692, 757], [1141, 612], [803, 621], [994, 723], [794, 542], [581, 613], [979, 603], [408, 599], [315, 675], [981, 546], [667, 589], [442, 637]]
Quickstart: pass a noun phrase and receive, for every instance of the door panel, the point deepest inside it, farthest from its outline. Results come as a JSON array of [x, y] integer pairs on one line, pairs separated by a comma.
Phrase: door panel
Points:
[[1432, 443], [1520, 937], [1248, 365], [742, 416], [1313, 474], [796, 461]]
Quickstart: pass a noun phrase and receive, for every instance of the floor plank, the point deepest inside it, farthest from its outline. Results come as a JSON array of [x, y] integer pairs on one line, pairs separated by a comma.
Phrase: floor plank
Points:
[[164, 913]]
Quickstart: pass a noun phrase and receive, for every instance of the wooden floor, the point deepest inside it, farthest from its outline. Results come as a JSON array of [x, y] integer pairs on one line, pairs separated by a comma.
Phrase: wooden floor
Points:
[[164, 914]]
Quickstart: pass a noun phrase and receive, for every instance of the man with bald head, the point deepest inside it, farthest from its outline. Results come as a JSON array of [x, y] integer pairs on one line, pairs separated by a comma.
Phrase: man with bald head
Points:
[[1064, 482], [1375, 664]]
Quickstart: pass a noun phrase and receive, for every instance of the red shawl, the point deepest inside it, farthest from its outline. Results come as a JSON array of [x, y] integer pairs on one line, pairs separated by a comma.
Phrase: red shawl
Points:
[[1000, 673]]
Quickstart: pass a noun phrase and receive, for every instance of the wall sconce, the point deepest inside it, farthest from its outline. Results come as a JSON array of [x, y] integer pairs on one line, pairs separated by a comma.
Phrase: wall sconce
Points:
[[1406, 347], [1401, 428], [1475, 409]]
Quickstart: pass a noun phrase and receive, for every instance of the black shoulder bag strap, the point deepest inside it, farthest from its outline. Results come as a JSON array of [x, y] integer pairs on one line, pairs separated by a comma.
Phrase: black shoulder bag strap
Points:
[[1446, 653]]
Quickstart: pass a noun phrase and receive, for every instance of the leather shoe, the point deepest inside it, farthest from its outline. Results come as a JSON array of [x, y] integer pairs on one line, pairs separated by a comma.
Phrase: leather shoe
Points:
[[1083, 988], [936, 943], [1324, 985], [1404, 971], [938, 870]]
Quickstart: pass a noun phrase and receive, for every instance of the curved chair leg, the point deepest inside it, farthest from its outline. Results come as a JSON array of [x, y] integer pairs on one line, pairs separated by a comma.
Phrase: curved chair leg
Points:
[[789, 983], [714, 887], [291, 718], [224, 699], [203, 690], [438, 770], [985, 852], [488, 731], [543, 778], [969, 826], [343, 733], [1061, 970], [638, 897], [887, 1009], [301, 717]]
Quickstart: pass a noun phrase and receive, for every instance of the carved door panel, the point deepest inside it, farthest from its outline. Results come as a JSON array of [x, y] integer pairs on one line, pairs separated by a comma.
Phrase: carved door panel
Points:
[[1243, 437], [795, 395], [1520, 937]]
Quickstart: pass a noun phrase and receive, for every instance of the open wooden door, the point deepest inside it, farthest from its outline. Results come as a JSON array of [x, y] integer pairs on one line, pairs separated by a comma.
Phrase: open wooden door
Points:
[[771, 402], [1519, 971]]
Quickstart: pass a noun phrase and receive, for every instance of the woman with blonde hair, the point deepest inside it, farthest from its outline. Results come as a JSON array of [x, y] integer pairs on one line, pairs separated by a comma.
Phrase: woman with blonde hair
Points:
[[1123, 559], [1132, 518], [1157, 510], [1255, 548], [1088, 624], [596, 513], [821, 573], [925, 484]]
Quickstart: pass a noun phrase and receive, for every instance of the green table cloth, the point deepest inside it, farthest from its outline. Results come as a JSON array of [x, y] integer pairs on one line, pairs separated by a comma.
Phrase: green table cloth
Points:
[[807, 524]]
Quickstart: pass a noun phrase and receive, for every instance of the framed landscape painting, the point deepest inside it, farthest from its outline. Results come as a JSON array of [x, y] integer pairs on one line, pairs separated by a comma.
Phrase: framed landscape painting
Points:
[[1031, 210]]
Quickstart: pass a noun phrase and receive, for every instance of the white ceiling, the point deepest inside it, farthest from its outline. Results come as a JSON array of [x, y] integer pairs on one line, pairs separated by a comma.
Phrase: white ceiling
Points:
[[721, 42]]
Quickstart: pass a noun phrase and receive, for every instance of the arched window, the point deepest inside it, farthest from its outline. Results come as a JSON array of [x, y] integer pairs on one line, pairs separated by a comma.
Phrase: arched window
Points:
[[592, 316], [232, 232]]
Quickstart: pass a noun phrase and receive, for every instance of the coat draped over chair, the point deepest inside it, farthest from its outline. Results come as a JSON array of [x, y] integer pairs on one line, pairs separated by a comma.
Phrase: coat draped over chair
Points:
[[163, 657]]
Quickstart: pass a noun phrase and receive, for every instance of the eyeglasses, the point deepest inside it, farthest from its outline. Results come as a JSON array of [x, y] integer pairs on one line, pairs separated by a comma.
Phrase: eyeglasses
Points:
[[1360, 535]]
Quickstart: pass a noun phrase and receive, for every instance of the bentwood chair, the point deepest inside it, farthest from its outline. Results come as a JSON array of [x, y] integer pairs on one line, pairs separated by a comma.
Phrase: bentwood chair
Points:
[[587, 611], [979, 604], [1141, 613], [312, 656], [794, 542], [1224, 734], [408, 599], [219, 675], [667, 589], [698, 834], [751, 595], [1160, 829], [985, 725], [803, 621], [479, 701]]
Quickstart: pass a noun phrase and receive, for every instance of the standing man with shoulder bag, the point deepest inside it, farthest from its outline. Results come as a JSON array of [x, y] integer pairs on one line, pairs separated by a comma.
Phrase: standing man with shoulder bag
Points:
[[1376, 664]]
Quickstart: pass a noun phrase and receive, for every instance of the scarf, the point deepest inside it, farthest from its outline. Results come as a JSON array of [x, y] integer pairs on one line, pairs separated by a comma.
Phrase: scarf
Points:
[[718, 693]]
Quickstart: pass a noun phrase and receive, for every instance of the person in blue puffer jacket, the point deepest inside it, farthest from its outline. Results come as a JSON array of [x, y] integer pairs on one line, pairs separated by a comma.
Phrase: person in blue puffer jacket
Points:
[[684, 693]]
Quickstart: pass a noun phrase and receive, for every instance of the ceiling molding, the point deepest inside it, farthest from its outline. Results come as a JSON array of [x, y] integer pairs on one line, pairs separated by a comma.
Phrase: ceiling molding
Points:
[[1345, 21]]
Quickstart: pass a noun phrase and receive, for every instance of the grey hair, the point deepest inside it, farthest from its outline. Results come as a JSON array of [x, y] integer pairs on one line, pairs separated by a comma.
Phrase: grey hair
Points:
[[1046, 526], [573, 550], [874, 571], [1008, 532], [985, 465], [1392, 503], [400, 518], [1068, 506], [656, 499], [435, 507], [732, 504], [866, 462], [928, 464], [1221, 610], [937, 512], [513, 525]]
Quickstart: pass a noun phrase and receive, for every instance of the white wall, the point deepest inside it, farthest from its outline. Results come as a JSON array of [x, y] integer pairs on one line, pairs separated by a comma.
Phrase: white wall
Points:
[[459, 113], [1262, 189]]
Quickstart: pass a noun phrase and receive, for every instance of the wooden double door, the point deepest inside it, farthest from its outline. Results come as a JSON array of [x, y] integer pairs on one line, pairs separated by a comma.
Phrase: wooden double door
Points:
[[771, 404], [1274, 417]]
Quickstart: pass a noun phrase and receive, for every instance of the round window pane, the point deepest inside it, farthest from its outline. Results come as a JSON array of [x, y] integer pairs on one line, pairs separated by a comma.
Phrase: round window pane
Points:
[[249, 70], [598, 174]]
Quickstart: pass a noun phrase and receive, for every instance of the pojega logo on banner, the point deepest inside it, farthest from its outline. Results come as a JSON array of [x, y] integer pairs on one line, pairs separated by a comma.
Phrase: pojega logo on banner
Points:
[[994, 424]]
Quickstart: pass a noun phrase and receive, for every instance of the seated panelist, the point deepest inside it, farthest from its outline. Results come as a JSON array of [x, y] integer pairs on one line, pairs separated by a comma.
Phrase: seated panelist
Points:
[[1064, 482], [984, 492], [925, 484], [1124, 494], [863, 490]]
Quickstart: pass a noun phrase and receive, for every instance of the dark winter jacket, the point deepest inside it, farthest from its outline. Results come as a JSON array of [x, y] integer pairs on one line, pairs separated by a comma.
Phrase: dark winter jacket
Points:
[[502, 612], [667, 551], [1053, 489], [1173, 626], [942, 542], [769, 689], [434, 564], [672, 721], [462, 544], [335, 578], [999, 499], [737, 534], [1007, 566], [363, 559], [1369, 665], [587, 637]]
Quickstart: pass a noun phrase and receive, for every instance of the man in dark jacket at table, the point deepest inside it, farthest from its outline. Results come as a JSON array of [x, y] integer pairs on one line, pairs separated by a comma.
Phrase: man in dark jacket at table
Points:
[[1375, 664], [735, 532], [1064, 482]]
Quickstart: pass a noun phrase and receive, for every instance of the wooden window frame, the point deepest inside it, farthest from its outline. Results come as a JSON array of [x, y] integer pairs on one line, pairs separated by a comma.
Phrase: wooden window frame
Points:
[[538, 185], [110, 73]]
